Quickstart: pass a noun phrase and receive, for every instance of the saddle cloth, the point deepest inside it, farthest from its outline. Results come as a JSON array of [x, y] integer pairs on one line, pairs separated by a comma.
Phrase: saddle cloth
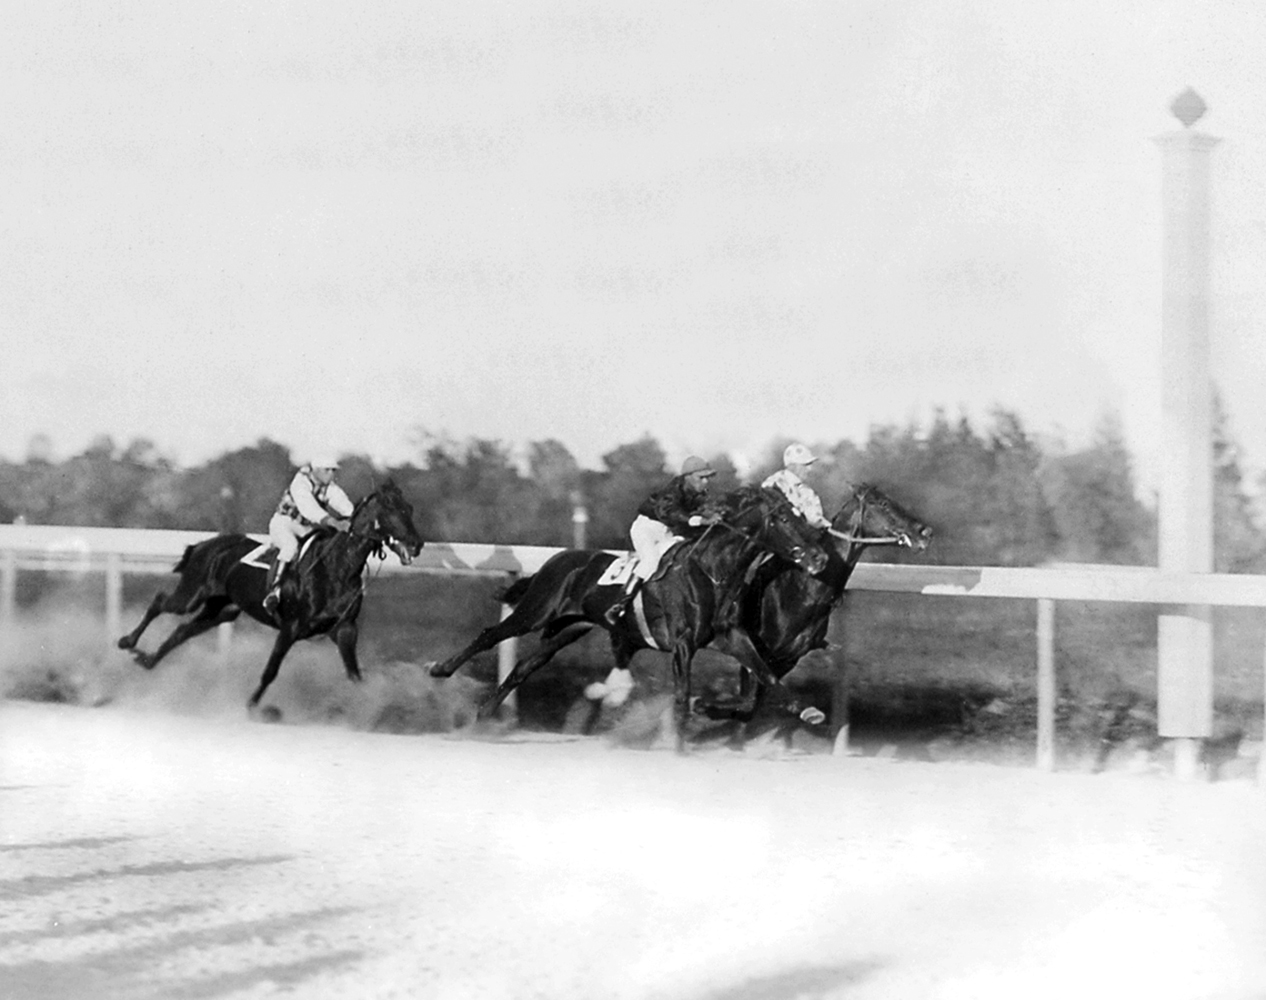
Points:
[[263, 555], [621, 570]]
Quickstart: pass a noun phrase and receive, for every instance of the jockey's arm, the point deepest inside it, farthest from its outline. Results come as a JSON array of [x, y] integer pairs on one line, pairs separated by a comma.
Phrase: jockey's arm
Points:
[[338, 501], [312, 509]]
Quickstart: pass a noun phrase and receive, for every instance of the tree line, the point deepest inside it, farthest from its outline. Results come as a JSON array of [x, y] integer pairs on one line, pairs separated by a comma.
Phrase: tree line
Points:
[[994, 494]]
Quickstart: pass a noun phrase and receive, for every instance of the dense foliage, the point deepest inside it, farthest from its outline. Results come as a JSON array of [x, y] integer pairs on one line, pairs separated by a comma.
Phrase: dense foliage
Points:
[[995, 495]]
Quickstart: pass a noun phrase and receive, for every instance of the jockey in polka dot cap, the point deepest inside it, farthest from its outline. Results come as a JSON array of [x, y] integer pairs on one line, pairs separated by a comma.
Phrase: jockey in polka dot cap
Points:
[[796, 459]]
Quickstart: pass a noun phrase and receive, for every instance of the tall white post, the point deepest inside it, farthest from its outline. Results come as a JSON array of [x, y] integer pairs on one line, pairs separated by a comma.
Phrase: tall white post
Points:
[[1184, 641], [114, 596]]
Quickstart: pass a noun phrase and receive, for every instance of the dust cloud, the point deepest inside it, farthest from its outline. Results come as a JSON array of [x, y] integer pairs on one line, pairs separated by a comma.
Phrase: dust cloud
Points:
[[61, 653]]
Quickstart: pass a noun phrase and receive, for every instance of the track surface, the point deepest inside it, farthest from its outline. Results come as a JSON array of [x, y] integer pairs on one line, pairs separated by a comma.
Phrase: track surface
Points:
[[153, 856]]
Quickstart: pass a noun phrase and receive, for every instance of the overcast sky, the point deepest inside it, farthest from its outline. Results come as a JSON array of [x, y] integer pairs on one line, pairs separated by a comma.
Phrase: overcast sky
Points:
[[335, 224]]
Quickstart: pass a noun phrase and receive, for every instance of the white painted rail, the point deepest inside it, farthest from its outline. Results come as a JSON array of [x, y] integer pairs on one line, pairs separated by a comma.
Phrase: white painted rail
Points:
[[116, 551]]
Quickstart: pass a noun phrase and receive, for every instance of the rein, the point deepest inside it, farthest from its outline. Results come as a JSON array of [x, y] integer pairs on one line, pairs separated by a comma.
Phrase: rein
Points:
[[861, 539], [853, 539]]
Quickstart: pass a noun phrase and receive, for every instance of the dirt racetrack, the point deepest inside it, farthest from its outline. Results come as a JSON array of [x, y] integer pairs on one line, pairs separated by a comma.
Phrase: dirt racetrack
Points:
[[148, 855]]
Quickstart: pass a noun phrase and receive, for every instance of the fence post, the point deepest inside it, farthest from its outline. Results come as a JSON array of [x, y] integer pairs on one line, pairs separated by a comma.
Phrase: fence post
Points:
[[839, 689], [507, 654], [1046, 684], [8, 587], [114, 595], [223, 639]]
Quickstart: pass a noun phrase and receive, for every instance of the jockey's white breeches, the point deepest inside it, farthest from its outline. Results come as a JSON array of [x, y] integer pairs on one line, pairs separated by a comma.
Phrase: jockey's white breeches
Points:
[[651, 539], [286, 533]]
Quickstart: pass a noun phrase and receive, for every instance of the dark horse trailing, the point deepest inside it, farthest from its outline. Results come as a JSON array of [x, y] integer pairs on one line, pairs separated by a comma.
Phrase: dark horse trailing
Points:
[[695, 597], [322, 593]]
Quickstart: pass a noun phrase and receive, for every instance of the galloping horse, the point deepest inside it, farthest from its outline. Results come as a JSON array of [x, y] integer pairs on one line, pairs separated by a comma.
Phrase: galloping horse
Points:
[[787, 612], [321, 594], [696, 595]]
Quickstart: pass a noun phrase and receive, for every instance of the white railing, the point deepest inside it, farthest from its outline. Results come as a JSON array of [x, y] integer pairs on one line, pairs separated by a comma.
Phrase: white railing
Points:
[[116, 551]]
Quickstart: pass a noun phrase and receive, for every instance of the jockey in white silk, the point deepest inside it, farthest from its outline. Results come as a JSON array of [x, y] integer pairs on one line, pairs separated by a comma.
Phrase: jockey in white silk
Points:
[[311, 500], [796, 459]]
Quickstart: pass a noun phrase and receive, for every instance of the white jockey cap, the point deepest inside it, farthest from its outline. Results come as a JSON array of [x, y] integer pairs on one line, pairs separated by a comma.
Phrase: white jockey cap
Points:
[[324, 461], [797, 454]]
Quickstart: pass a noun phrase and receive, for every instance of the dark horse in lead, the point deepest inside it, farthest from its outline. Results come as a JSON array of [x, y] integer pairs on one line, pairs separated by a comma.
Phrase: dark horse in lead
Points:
[[322, 594], [787, 613], [695, 597]]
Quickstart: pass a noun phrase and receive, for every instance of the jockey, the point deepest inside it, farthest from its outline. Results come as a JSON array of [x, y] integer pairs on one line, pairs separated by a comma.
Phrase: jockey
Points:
[[311, 500], [796, 459], [673, 512]]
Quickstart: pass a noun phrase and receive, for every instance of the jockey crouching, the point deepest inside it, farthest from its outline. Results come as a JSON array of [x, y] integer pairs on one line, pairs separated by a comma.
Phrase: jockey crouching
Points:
[[311, 500], [796, 459], [673, 512]]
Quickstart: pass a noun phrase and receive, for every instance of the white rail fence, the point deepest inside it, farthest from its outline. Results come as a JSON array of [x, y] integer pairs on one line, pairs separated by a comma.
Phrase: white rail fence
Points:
[[116, 551]]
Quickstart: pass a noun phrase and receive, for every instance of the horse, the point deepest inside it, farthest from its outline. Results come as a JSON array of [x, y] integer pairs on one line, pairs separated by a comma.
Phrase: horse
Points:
[[321, 594], [787, 613], [692, 598]]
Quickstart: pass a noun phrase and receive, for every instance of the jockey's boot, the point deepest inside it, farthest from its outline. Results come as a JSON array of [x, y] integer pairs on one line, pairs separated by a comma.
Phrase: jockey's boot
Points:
[[622, 603], [273, 598]]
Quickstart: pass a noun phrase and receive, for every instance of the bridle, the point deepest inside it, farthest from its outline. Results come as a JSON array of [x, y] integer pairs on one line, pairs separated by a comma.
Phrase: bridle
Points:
[[374, 534], [768, 553], [855, 539]]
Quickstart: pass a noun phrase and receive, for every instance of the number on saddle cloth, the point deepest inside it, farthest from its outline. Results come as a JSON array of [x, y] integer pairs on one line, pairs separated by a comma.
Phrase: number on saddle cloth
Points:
[[263, 555], [624, 566]]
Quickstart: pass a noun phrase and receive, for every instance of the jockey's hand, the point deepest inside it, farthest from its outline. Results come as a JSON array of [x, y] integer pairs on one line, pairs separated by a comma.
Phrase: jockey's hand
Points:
[[338, 523]]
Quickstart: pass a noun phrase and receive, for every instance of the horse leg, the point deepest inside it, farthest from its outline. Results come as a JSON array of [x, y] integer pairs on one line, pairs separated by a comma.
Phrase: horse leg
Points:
[[513, 625], [213, 613], [285, 639], [162, 604], [683, 656], [739, 645], [614, 691], [345, 637], [528, 666]]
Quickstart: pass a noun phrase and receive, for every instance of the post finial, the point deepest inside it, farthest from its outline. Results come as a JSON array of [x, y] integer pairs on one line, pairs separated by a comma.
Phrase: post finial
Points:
[[1188, 107]]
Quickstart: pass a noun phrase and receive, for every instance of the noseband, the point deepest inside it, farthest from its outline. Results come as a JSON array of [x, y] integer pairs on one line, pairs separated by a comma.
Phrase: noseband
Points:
[[856, 539]]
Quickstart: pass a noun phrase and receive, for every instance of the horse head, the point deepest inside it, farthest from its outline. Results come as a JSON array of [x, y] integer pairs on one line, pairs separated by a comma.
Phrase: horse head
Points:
[[386, 518], [871, 517], [766, 517]]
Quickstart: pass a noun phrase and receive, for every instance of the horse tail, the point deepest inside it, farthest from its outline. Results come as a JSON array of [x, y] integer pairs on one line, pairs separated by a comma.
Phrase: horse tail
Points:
[[514, 593]]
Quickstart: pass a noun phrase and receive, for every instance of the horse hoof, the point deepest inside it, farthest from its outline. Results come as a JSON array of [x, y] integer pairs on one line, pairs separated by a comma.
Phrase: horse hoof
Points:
[[269, 713], [143, 660], [437, 670], [125, 642], [813, 716], [616, 698]]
